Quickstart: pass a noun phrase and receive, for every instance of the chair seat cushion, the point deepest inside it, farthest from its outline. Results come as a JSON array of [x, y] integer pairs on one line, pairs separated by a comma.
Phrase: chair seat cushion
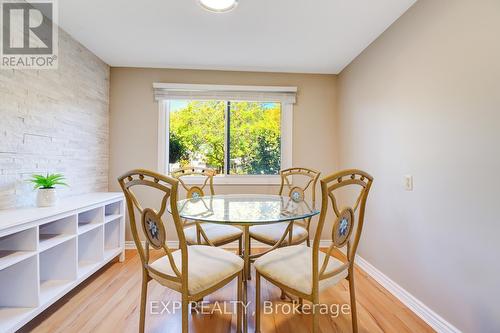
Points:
[[207, 266], [216, 233], [272, 233], [292, 267]]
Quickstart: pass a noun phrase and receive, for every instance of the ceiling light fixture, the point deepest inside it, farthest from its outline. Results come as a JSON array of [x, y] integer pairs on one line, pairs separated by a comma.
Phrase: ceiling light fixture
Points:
[[218, 6]]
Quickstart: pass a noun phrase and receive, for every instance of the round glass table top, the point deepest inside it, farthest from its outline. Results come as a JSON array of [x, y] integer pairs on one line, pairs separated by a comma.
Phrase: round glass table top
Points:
[[245, 209]]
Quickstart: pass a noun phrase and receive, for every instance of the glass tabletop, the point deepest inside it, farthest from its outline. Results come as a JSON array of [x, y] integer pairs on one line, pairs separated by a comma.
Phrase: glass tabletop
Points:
[[245, 209]]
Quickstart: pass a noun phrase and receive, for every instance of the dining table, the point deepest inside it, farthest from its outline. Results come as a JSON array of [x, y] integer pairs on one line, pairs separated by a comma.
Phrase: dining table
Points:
[[246, 210]]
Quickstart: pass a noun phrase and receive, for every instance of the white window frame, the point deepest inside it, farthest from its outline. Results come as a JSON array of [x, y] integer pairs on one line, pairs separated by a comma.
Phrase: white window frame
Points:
[[286, 131]]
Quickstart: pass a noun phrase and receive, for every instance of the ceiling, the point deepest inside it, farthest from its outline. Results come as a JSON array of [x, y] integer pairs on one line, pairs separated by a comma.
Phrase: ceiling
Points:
[[302, 36]]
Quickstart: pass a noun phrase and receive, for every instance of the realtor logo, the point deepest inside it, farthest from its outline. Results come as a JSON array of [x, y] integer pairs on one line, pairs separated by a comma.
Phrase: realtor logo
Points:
[[29, 34]]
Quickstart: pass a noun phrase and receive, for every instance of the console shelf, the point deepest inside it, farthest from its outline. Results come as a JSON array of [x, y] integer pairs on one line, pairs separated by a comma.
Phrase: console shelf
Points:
[[46, 252]]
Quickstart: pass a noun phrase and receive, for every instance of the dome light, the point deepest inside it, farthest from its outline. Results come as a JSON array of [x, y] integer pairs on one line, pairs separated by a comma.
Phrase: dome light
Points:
[[219, 6]]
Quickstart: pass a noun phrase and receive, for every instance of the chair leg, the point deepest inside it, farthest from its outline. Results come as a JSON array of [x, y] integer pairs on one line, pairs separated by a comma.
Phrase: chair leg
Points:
[[144, 298], [185, 314], [315, 317], [240, 246], [248, 269], [283, 295], [239, 310], [257, 302], [198, 234], [352, 294]]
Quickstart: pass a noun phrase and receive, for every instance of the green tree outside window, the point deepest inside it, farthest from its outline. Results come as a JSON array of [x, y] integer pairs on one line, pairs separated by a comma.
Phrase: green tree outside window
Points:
[[197, 135]]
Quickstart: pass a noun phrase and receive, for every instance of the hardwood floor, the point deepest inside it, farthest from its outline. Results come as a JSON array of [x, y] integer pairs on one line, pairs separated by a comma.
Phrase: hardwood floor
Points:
[[108, 302]]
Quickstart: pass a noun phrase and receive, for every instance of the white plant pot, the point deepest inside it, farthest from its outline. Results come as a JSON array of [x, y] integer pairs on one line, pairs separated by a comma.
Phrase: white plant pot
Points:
[[46, 197]]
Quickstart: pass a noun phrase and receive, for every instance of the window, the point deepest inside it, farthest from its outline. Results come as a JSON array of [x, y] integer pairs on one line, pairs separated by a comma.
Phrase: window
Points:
[[231, 137], [245, 141]]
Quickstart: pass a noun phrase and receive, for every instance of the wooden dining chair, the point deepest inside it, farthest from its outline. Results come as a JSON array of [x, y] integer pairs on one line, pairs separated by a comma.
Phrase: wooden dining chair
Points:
[[194, 271], [205, 233], [296, 232], [320, 270]]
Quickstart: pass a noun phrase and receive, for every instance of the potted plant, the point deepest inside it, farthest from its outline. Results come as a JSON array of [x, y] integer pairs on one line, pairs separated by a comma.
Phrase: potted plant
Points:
[[46, 195]]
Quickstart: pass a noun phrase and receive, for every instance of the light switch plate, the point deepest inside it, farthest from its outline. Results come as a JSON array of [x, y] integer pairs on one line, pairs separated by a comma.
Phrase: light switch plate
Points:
[[408, 182]]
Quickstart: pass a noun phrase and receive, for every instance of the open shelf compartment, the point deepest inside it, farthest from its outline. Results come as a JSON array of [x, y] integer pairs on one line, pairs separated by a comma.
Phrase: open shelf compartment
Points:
[[112, 242], [20, 298], [57, 232], [17, 247], [90, 219], [90, 250], [58, 269], [113, 211]]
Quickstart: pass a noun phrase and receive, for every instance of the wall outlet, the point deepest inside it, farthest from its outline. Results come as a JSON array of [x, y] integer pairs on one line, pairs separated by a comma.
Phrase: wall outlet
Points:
[[408, 182]]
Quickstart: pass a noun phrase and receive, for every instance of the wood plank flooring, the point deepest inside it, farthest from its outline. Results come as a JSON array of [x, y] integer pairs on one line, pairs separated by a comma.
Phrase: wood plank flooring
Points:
[[109, 302]]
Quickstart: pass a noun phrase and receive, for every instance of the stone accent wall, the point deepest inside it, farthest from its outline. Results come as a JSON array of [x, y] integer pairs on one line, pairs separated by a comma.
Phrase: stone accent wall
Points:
[[55, 121]]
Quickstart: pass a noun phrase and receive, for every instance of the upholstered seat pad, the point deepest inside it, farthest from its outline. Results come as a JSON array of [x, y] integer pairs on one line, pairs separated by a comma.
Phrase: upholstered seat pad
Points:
[[207, 266], [292, 267], [272, 233], [216, 233]]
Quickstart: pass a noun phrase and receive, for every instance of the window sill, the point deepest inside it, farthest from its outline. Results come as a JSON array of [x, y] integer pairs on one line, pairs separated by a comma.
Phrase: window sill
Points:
[[236, 180]]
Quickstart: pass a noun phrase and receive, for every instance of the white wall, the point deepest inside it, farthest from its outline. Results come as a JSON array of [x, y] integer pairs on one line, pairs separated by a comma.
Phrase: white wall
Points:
[[55, 121], [424, 99]]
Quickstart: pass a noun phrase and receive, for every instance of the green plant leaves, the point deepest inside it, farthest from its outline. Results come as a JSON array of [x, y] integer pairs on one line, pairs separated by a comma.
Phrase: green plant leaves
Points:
[[48, 181]]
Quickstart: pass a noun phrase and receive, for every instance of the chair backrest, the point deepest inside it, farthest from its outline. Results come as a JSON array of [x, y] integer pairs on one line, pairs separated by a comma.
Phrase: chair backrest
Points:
[[289, 183], [345, 218], [151, 221], [196, 191]]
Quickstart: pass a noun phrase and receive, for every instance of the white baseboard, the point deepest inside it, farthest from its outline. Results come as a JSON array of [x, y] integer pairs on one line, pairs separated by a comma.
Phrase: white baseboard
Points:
[[438, 323]]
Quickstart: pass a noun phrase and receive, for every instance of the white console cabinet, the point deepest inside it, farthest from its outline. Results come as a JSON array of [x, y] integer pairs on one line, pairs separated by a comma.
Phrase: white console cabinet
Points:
[[46, 252]]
